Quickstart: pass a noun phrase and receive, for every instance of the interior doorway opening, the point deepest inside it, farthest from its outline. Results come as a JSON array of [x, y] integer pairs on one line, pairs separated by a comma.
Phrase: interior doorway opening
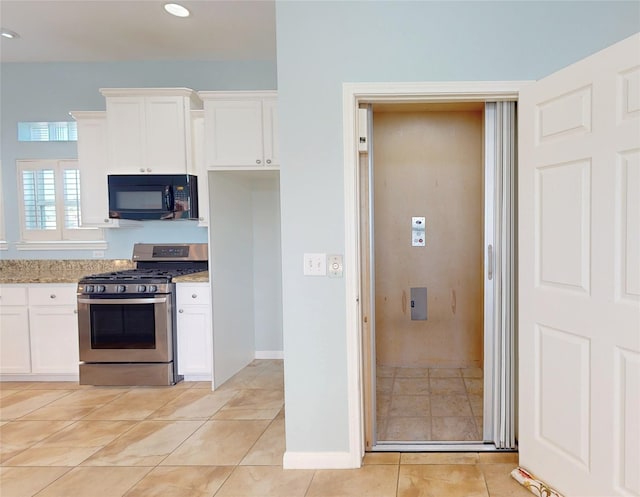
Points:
[[428, 291]]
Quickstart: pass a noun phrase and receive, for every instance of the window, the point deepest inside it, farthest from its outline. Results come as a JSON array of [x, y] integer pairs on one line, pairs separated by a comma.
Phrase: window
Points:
[[49, 193], [48, 131]]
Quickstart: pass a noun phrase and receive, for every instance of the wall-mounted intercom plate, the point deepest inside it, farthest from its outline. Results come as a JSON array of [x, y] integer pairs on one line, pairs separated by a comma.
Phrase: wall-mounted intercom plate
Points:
[[418, 231]]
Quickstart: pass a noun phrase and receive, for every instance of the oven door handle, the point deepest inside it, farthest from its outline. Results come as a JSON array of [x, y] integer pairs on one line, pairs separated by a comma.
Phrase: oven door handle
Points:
[[160, 300]]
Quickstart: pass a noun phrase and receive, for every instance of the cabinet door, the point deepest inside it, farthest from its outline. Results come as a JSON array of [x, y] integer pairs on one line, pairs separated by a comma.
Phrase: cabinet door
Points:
[[234, 133], [15, 354], [166, 136], [126, 134], [195, 349], [197, 129], [54, 339], [194, 340], [270, 132], [92, 157]]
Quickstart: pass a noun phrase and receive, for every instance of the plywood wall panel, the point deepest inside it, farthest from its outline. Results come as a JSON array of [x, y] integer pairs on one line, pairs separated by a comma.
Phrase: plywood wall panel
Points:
[[429, 164]]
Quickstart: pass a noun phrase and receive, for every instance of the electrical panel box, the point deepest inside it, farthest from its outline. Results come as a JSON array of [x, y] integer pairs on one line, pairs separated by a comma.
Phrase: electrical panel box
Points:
[[419, 304]]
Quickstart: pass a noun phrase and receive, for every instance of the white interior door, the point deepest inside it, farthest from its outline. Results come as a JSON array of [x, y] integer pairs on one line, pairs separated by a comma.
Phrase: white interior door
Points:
[[579, 275]]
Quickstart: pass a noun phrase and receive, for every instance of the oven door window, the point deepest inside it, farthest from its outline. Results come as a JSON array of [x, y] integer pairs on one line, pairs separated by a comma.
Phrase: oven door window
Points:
[[123, 326]]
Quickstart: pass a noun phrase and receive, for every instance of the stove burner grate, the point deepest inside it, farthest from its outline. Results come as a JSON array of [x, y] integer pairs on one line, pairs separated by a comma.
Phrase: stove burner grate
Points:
[[142, 274]]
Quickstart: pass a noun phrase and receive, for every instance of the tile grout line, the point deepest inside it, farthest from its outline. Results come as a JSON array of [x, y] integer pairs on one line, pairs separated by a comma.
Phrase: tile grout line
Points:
[[40, 407], [398, 475], [479, 430], [71, 468], [466, 394], [430, 406]]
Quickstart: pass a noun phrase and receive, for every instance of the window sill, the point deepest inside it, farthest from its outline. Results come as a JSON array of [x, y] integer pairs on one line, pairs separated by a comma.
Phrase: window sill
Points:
[[63, 245]]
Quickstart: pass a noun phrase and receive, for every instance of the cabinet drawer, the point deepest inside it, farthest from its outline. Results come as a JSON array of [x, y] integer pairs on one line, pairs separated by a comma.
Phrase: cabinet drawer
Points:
[[13, 295], [52, 295], [193, 294]]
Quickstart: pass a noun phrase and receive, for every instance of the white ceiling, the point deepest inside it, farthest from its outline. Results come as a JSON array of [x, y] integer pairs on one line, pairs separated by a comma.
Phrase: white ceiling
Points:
[[129, 30]]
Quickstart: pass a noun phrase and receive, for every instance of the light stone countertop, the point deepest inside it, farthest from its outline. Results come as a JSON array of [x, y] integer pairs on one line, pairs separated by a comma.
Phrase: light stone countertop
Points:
[[16, 271], [56, 271], [201, 277]]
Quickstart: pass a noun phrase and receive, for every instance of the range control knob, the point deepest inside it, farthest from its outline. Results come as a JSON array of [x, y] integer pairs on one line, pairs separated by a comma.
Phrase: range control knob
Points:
[[88, 288], [152, 288], [120, 288], [100, 288], [142, 288]]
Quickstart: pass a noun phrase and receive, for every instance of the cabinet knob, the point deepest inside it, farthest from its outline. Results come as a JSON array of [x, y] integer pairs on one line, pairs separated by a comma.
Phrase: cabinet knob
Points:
[[268, 161], [194, 296], [106, 221], [52, 296], [258, 161], [180, 311], [142, 169], [75, 311], [148, 169]]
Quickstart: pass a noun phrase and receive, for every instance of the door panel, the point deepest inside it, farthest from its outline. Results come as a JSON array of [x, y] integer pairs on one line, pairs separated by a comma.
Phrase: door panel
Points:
[[579, 311]]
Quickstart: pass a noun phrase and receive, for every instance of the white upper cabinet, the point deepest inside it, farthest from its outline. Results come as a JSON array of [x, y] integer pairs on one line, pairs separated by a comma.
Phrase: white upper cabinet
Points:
[[149, 130], [270, 131], [241, 129], [3, 243], [92, 158], [197, 123]]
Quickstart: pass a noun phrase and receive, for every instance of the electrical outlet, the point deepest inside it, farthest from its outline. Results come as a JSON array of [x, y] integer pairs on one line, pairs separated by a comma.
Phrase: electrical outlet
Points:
[[98, 254]]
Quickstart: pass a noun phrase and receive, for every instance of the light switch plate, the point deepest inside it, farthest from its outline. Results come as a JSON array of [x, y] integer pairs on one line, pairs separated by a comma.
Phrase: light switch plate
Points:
[[334, 263], [315, 265]]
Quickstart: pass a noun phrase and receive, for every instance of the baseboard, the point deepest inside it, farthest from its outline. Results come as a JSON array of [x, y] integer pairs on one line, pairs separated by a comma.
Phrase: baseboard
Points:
[[39, 377], [269, 354], [320, 460], [197, 377]]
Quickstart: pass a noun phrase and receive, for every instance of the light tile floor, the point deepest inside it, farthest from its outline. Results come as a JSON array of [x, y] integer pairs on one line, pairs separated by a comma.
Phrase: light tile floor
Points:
[[429, 404], [62, 439]]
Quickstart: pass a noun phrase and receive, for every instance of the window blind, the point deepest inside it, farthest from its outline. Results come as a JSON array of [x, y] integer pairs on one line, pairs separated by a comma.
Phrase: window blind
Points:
[[50, 202], [47, 131], [71, 191], [39, 194]]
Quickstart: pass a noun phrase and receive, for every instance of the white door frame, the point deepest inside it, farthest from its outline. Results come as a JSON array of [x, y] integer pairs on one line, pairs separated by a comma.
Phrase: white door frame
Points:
[[354, 94]]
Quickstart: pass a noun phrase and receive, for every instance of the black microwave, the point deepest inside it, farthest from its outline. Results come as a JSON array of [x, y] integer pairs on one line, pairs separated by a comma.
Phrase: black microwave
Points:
[[153, 196]]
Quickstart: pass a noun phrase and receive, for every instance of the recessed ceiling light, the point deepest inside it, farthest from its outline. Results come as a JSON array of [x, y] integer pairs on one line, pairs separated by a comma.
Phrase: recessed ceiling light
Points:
[[176, 10], [7, 33]]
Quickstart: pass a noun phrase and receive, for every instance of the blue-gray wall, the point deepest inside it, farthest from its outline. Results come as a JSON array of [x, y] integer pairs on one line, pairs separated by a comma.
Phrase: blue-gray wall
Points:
[[322, 44], [47, 92]]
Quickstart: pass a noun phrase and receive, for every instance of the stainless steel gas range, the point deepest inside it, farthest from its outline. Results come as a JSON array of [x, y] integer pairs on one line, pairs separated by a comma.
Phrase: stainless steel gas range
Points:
[[127, 319]]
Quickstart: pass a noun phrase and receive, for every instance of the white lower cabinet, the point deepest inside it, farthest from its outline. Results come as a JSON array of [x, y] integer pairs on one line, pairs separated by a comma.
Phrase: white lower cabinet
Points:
[[39, 331], [53, 324], [195, 349], [15, 352]]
